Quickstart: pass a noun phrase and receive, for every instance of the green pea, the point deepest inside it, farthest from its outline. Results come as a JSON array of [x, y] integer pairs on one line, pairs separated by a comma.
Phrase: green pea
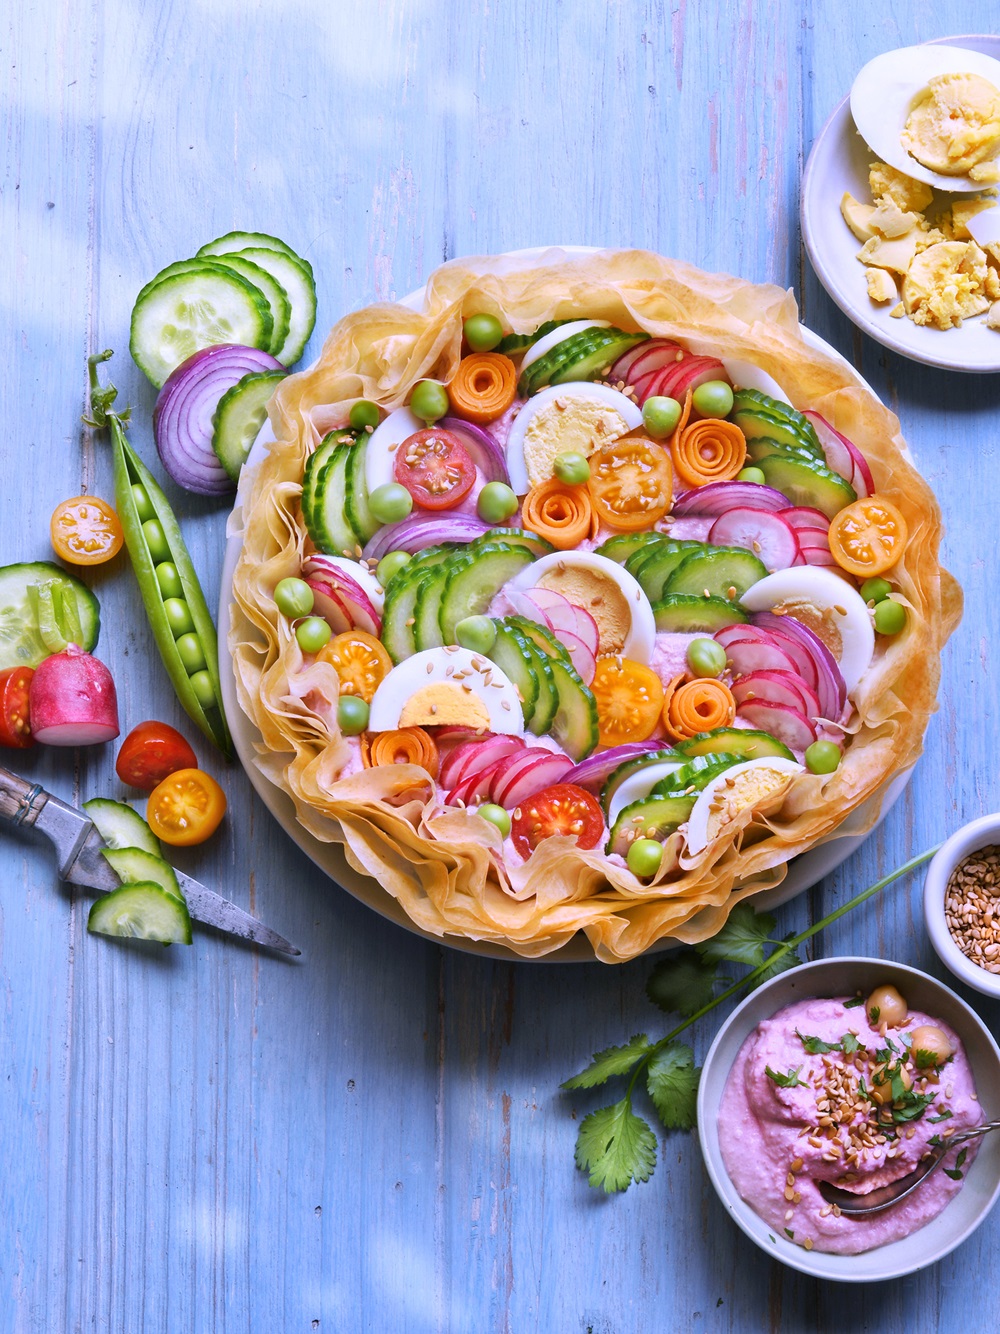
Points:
[[390, 502], [293, 597], [364, 413], [822, 757], [191, 653], [875, 590], [573, 469], [705, 657], [352, 714], [204, 689], [143, 504], [178, 616], [477, 633], [660, 416], [156, 541], [169, 580], [751, 475], [482, 332], [713, 399], [644, 856], [496, 815], [312, 634], [391, 564], [496, 502], [890, 617], [429, 401]]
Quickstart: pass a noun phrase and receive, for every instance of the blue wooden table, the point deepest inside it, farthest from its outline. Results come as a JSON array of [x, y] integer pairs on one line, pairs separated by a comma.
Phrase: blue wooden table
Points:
[[373, 1139]]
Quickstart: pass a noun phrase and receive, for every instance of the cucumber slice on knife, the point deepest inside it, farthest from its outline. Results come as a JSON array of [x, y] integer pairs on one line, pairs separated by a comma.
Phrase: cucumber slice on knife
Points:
[[137, 866], [142, 911], [120, 826]]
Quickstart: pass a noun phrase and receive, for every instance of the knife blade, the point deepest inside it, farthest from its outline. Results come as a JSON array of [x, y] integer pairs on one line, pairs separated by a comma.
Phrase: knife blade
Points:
[[78, 848]]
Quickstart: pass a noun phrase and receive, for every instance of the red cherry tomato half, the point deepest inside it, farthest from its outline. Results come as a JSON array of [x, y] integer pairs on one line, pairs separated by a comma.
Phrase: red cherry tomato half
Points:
[[435, 468], [151, 752], [560, 809], [15, 724]]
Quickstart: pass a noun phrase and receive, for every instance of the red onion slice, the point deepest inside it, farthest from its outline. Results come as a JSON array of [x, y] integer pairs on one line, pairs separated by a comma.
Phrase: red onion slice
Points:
[[752, 655], [485, 452], [830, 685], [789, 725], [593, 772], [718, 498], [804, 663], [766, 535], [843, 455], [424, 530]]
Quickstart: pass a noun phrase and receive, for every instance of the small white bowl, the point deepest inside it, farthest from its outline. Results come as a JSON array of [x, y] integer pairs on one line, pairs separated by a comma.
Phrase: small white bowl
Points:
[[977, 834], [843, 977]]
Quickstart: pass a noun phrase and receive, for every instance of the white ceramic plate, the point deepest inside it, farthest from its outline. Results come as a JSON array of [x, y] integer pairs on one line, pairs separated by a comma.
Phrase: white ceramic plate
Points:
[[803, 872], [839, 162]]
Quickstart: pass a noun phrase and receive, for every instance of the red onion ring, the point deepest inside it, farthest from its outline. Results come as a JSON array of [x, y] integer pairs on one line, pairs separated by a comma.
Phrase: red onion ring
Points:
[[484, 450], [417, 531]]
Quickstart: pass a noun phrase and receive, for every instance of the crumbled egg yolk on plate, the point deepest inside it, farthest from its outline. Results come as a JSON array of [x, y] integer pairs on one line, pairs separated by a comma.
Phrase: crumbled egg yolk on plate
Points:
[[954, 128]]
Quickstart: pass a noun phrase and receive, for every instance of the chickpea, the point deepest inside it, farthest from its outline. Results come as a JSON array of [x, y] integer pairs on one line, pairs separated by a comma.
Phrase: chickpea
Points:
[[928, 1041], [888, 1007]]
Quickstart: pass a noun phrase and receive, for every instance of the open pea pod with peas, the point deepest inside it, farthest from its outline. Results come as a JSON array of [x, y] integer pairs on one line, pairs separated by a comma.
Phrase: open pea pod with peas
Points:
[[175, 605]]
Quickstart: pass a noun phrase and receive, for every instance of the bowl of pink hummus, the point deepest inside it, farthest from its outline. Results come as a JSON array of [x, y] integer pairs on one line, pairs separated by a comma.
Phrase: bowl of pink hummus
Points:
[[851, 1071]]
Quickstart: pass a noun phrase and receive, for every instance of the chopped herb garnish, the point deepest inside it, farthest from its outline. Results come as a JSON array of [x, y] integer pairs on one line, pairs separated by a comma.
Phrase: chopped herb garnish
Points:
[[943, 1116], [849, 1044], [854, 1001], [789, 1234], [923, 1059], [935, 1142], [874, 1013], [815, 1046], [789, 1081], [913, 1106], [954, 1172]]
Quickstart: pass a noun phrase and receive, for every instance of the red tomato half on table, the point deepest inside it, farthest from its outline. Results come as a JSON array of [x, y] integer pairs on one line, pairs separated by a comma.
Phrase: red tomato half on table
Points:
[[563, 808], [151, 752], [15, 724], [435, 467]]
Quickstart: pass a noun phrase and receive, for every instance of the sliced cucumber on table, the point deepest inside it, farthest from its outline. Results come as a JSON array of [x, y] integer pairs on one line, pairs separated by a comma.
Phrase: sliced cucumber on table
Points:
[[274, 294], [42, 608], [142, 911], [233, 241], [293, 273], [239, 417]]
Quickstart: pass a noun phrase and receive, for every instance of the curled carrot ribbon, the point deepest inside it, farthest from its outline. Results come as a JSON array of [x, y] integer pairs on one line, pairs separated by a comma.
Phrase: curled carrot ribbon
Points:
[[484, 386], [709, 450], [406, 745], [562, 514], [698, 706]]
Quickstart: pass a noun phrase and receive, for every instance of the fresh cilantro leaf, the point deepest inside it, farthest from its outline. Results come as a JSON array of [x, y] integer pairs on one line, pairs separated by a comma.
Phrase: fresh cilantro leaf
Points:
[[778, 962], [610, 1062], [874, 1013], [935, 1141], [682, 984], [924, 1060], [933, 1120], [672, 1081], [789, 1234], [913, 1106], [849, 1044], [854, 1001], [962, 1155], [615, 1147], [815, 1046], [741, 940], [952, 1172], [789, 1081]]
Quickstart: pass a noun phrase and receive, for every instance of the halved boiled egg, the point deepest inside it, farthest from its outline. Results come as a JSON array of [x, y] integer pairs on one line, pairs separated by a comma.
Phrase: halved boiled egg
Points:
[[383, 442], [544, 345], [825, 604], [573, 418], [932, 112], [757, 783], [612, 596], [447, 686]]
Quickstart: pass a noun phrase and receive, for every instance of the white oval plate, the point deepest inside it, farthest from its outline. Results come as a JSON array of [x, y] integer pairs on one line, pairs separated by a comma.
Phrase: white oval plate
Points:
[[803, 871], [839, 162]]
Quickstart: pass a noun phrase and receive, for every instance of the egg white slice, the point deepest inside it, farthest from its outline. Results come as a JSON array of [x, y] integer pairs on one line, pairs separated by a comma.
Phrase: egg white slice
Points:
[[577, 389], [745, 375], [538, 350], [883, 94], [380, 454], [731, 781], [456, 669], [639, 785], [641, 635], [827, 592]]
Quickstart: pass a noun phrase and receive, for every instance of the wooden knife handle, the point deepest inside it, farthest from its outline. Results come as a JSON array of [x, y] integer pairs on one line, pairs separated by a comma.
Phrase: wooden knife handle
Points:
[[20, 802]]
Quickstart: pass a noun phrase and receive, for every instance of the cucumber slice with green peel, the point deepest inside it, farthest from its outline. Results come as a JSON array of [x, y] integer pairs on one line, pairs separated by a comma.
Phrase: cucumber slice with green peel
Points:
[[542, 637], [513, 343], [654, 566], [807, 483], [236, 241], [515, 537], [122, 827], [547, 703], [623, 545], [475, 578], [685, 613], [514, 657], [763, 446], [42, 608], [179, 266], [399, 609], [743, 742], [331, 529], [695, 775], [720, 572], [192, 310], [575, 725], [314, 466], [295, 276], [427, 611], [359, 516], [653, 817], [757, 424], [754, 401], [136, 865], [628, 767], [273, 292], [239, 417], [582, 356], [142, 911]]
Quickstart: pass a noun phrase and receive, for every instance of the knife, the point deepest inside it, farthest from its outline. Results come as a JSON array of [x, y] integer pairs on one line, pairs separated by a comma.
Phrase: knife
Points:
[[78, 846]]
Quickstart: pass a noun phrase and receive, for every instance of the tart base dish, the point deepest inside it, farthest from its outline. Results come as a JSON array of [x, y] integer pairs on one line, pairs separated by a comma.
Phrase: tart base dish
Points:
[[446, 866]]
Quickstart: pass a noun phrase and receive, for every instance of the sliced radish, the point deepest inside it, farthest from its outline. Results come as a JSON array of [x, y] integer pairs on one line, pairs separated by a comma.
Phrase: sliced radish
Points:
[[803, 516], [819, 556], [843, 456], [695, 371], [583, 659], [829, 684], [645, 359], [523, 780], [471, 757], [329, 604], [477, 787], [813, 537], [329, 583], [751, 655], [777, 688], [766, 535], [788, 725], [72, 700], [718, 498]]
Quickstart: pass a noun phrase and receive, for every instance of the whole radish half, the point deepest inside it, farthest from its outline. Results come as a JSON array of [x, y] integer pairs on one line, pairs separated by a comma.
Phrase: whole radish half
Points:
[[72, 700]]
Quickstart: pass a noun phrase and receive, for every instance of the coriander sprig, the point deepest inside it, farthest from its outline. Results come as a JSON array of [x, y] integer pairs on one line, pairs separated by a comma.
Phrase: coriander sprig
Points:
[[615, 1146]]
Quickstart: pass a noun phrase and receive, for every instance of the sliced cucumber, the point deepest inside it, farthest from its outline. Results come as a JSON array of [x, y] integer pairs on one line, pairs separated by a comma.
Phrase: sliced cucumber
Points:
[[513, 343], [295, 275], [757, 424], [628, 767], [315, 463], [763, 446], [580, 357], [807, 483], [235, 241], [695, 775], [136, 865], [143, 911], [399, 609], [192, 310], [575, 725], [754, 401], [274, 294], [512, 654], [542, 637], [427, 612], [547, 704], [623, 545], [515, 537], [359, 516], [120, 826], [654, 565], [474, 580], [331, 529], [42, 608], [653, 817], [720, 572], [239, 417], [684, 613], [743, 742]]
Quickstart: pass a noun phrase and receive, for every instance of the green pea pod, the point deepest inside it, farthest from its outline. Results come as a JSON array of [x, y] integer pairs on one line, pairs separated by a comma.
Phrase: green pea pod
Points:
[[129, 471]]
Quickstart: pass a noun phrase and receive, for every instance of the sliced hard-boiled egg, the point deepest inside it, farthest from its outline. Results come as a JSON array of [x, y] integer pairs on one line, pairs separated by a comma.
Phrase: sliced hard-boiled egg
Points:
[[447, 686], [361, 575], [757, 783], [745, 375], [893, 89], [639, 785], [612, 596], [828, 606], [538, 350], [383, 442], [574, 418]]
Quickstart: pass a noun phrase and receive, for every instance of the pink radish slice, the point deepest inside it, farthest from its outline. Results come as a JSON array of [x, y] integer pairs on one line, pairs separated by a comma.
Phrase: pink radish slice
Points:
[[777, 688], [349, 593], [649, 357], [330, 606], [802, 661], [72, 700], [583, 660], [586, 628], [749, 655], [525, 605], [675, 377], [819, 556], [843, 456], [517, 786], [766, 535], [788, 725], [562, 614], [648, 386], [800, 559], [472, 757], [813, 537], [476, 787], [717, 498], [696, 371], [803, 516]]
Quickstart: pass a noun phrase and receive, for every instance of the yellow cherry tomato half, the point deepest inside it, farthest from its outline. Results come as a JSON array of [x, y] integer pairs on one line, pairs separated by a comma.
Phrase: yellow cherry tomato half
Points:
[[360, 661], [629, 699], [868, 537], [630, 482], [85, 531], [186, 808]]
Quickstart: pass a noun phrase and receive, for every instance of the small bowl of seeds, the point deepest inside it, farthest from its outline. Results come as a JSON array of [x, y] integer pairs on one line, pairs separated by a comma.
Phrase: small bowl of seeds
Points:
[[962, 904]]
